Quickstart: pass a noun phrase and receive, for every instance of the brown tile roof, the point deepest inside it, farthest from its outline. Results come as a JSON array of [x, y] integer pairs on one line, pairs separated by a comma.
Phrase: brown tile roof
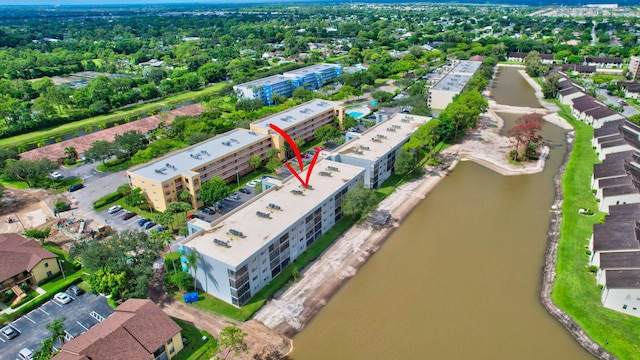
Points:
[[18, 254], [135, 331], [623, 279], [83, 143]]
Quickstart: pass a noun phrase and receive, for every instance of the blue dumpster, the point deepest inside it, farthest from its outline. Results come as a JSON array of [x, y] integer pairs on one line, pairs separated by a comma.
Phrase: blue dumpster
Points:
[[190, 297]]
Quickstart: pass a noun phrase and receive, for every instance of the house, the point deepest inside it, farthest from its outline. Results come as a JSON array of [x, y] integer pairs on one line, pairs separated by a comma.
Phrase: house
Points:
[[603, 62], [580, 69], [138, 329], [24, 260], [582, 104], [567, 95], [621, 291], [631, 90], [600, 115]]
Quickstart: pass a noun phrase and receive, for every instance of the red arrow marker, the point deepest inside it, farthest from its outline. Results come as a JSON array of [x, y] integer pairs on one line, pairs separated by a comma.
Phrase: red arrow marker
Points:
[[295, 149]]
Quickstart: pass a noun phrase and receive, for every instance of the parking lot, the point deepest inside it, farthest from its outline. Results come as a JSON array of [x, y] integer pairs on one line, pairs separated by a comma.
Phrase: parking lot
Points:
[[228, 205], [80, 315]]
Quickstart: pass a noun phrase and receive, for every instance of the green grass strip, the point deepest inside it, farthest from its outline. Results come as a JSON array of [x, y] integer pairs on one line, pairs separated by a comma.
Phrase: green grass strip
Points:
[[195, 348], [116, 116], [575, 289]]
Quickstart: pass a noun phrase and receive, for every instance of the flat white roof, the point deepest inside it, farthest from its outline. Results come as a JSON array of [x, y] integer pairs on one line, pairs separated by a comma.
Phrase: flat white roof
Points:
[[195, 156], [257, 230], [466, 67], [452, 82], [269, 80], [378, 140], [310, 69], [296, 115]]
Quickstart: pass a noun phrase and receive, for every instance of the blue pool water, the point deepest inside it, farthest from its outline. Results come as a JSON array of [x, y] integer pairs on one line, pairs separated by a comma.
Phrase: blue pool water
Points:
[[355, 114]]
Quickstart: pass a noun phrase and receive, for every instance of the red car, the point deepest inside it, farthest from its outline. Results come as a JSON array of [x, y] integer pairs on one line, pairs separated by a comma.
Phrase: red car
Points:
[[319, 148]]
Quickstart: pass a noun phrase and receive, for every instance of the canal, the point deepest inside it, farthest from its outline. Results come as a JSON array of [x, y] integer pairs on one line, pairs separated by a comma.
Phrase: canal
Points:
[[460, 278]]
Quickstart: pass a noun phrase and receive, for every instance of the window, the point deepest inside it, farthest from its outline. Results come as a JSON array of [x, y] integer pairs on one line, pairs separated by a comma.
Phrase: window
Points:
[[46, 265], [624, 307], [49, 273]]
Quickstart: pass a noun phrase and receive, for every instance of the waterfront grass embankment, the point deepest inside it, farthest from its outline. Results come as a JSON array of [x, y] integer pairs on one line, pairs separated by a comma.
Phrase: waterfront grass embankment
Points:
[[112, 117], [575, 290]]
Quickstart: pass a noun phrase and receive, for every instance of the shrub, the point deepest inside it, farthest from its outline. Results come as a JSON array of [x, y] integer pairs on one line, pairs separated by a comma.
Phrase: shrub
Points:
[[108, 199], [69, 161], [38, 234], [593, 269], [180, 280], [114, 162], [25, 299]]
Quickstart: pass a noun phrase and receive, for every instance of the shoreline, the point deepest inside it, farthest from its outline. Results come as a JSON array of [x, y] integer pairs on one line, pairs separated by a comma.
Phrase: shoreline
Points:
[[289, 312]]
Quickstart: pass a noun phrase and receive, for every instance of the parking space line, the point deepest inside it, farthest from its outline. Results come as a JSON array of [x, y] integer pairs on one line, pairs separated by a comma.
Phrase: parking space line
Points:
[[28, 318], [3, 340], [84, 327], [56, 303], [41, 309], [13, 324]]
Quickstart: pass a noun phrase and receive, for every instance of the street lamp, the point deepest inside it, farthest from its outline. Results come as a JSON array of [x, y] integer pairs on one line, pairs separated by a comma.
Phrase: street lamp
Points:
[[62, 269]]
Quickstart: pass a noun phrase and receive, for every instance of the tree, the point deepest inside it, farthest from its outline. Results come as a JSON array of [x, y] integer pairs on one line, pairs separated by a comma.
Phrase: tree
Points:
[[192, 263], [382, 96], [255, 161], [525, 132], [71, 153], [106, 281], [32, 172], [185, 195], [550, 86], [232, 339], [164, 238], [405, 163], [358, 202], [130, 142], [57, 329], [273, 164], [179, 207], [100, 151], [46, 350], [212, 72], [326, 132], [5, 155], [533, 64], [214, 190], [349, 122]]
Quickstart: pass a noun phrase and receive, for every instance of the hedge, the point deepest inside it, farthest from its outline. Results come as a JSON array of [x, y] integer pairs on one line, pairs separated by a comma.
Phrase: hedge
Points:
[[108, 199]]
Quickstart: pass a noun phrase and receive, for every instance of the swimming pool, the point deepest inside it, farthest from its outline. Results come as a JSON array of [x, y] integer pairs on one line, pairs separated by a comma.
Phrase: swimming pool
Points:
[[355, 114]]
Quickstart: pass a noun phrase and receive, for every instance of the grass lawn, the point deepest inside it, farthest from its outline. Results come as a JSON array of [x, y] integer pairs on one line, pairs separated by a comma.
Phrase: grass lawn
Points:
[[211, 304], [123, 166], [63, 185], [195, 348], [119, 115], [575, 289], [14, 184], [77, 163]]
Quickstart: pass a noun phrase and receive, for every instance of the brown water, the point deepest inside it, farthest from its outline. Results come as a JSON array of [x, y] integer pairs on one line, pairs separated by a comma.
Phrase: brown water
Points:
[[458, 280], [524, 95]]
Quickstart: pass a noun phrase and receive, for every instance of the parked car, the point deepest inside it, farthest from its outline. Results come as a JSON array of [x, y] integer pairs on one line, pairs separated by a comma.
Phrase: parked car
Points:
[[75, 187], [208, 211], [114, 209], [234, 196], [245, 191], [62, 298], [56, 175], [143, 221], [253, 183], [9, 332], [623, 103], [161, 228], [149, 225], [129, 215], [26, 353], [75, 290]]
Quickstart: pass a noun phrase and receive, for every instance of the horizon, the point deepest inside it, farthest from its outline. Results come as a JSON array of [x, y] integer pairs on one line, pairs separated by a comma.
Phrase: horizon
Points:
[[89, 3]]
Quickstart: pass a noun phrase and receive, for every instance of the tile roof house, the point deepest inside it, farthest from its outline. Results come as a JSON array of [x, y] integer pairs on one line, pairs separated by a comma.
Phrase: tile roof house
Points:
[[603, 62], [23, 260], [138, 329]]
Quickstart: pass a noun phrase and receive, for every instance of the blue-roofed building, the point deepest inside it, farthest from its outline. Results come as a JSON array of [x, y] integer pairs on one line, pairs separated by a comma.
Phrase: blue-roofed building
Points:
[[315, 76]]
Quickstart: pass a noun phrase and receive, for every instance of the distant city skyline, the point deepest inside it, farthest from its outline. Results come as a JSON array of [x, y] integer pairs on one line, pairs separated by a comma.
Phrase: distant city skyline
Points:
[[134, 2]]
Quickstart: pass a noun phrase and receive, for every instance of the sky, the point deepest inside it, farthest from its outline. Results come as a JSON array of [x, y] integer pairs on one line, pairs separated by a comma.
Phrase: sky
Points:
[[121, 2]]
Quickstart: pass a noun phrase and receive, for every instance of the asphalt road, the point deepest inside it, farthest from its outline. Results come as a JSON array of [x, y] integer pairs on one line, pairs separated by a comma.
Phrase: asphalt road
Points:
[[32, 326]]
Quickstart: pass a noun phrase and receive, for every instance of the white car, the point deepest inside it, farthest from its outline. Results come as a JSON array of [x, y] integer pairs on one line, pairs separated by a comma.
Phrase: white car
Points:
[[114, 209], [62, 298], [253, 183], [26, 353], [56, 175]]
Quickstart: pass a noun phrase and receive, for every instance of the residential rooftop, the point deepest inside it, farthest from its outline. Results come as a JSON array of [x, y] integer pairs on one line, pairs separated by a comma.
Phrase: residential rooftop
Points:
[[620, 260], [623, 279], [374, 143], [615, 235], [466, 67], [269, 80], [310, 69], [452, 82], [294, 201], [193, 157], [296, 115]]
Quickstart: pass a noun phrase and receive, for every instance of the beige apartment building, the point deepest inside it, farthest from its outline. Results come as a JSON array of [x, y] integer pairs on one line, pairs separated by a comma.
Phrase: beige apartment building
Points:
[[227, 155], [299, 122], [634, 66]]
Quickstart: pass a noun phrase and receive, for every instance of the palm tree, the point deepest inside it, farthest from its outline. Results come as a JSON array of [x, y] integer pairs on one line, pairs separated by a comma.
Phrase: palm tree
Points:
[[192, 263], [71, 153], [185, 196], [162, 239], [57, 329]]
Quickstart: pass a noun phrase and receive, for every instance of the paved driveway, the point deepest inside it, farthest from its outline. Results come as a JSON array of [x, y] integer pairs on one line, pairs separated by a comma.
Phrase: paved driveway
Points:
[[609, 99], [80, 315]]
